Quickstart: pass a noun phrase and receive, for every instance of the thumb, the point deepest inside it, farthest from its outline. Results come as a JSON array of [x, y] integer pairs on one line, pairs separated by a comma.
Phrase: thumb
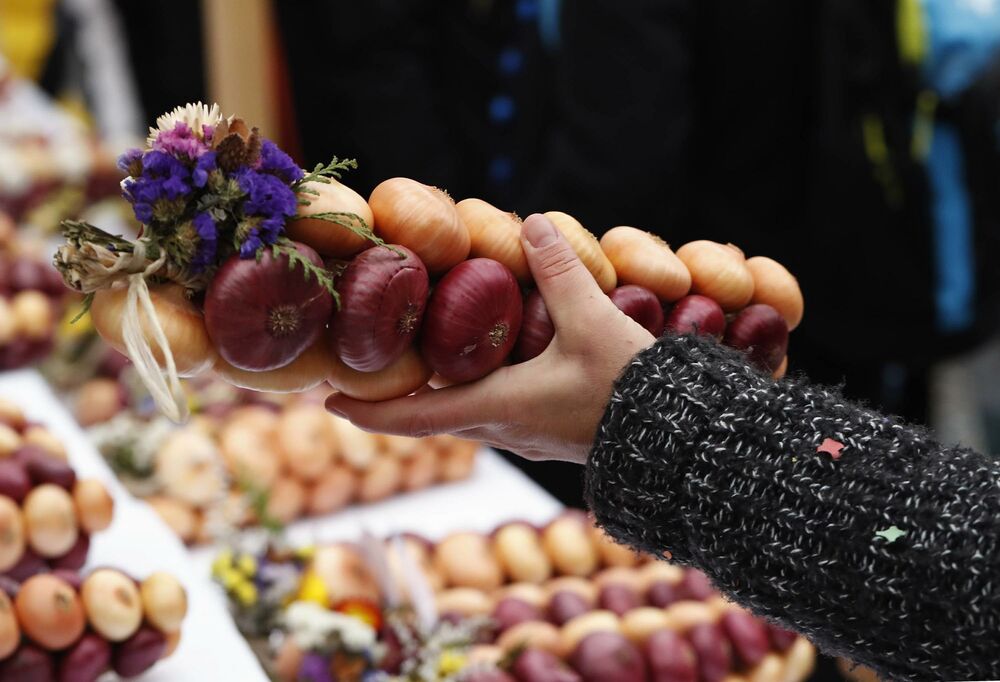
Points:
[[566, 285]]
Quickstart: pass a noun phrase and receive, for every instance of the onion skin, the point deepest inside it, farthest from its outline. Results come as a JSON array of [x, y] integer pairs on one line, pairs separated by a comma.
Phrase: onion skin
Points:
[[644, 259], [671, 658], [537, 329], [401, 378], [76, 557], [761, 332], [94, 506], [14, 481], [495, 235], [304, 373], [112, 603], [10, 631], [50, 612], [718, 271], [263, 315], [641, 305], [782, 369], [382, 301], [422, 218], [50, 520], [330, 239], [778, 288], [587, 247], [164, 601], [696, 314], [472, 320], [182, 322]]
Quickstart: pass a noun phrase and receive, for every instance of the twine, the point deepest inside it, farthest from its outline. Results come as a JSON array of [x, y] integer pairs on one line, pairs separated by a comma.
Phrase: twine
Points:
[[163, 385]]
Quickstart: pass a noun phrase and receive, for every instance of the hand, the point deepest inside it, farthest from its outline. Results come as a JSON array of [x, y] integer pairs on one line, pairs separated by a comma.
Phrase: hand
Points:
[[548, 407]]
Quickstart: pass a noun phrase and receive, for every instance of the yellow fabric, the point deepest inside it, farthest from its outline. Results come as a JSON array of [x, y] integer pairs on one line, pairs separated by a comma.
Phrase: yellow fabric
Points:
[[911, 31], [27, 33]]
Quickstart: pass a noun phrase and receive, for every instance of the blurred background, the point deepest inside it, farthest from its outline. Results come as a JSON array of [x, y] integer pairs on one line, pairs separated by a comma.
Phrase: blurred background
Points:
[[856, 141]]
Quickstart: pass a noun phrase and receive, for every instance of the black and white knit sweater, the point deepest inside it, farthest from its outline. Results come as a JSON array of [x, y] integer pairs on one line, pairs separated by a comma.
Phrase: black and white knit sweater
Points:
[[700, 455]]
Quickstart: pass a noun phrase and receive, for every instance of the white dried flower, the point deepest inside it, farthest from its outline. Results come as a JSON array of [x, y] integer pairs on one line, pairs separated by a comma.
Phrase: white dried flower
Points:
[[311, 625], [195, 116]]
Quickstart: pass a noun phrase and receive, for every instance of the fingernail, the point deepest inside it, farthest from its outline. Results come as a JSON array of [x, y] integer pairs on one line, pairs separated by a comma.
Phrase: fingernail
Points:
[[539, 230], [332, 407]]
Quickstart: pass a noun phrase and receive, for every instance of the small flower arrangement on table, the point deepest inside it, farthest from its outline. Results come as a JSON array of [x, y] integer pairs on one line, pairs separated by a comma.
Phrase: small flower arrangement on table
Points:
[[214, 279]]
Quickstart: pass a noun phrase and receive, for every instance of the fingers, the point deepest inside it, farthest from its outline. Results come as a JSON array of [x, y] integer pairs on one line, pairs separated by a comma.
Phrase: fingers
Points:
[[566, 285], [446, 410]]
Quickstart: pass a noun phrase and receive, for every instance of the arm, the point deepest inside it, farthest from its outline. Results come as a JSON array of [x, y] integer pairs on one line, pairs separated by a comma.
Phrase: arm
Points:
[[700, 455]]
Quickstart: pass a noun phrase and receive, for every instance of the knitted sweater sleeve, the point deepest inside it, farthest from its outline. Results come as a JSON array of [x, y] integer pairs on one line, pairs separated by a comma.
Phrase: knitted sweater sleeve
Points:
[[700, 455]]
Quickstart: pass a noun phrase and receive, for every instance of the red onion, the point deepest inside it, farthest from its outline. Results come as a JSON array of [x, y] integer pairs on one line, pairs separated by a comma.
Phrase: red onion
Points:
[[565, 605], [618, 598], [712, 650], [472, 320], [28, 664], [762, 333], [138, 653], [696, 314], [86, 660], [76, 557], [661, 594], [747, 635], [44, 468], [263, 315], [608, 657], [671, 658], [694, 585], [536, 329], [14, 481], [382, 301], [510, 611], [781, 638], [641, 305]]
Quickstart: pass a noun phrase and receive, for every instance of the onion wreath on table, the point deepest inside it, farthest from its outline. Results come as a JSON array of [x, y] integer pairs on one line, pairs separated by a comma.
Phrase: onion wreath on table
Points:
[[280, 279]]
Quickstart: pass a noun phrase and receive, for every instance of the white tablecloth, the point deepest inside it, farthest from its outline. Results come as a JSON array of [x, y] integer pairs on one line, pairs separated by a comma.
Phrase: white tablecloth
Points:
[[211, 648]]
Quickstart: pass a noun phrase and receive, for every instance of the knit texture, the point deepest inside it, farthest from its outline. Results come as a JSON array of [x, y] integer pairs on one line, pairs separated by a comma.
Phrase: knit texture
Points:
[[701, 455]]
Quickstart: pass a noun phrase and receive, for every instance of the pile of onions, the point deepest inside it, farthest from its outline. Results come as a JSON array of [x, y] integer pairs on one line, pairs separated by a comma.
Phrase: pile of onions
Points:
[[31, 300], [62, 626], [310, 462], [448, 294]]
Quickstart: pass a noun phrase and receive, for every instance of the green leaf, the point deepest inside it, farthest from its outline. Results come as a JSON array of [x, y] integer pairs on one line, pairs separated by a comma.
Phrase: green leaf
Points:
[[88, 301], [322, 173]]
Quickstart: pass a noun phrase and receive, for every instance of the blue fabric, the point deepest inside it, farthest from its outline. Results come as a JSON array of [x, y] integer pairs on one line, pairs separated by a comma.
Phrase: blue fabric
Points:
[[964, 36], [952, 218], [548, 22]]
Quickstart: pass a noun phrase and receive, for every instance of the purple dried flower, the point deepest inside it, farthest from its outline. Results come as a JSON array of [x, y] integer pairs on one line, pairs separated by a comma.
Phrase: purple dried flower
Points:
[[250, 245], [207, 241], [180, 142], [128, 158], [204, 166], [268, 198], [314, 668], [277, 162]]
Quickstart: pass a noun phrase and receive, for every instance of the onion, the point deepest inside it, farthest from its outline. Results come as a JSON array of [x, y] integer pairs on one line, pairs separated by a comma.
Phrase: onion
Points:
[[644, 259], [641, 305], [28, 565], [618, 598], [747, 635], [332, 491], [495, 235], [179, 517], [86, 661], [164, 601], [307, 439], [44, 468], [719, 272], [188, 467], [182, 324], [99, 400], [76, 557], [139, 653], [565, 605], [782, 369], [263, 314], [577, 629], [50, 520], [33, 315], [304, 373], [94, 506], [40, 437], [112, 603], [712, 650], [695, 585], [537, 329], [334, 240], [14, 481], [11, 415], [421, 470], [10, 631], [10, 440], [8, 330], [402, 377], [761, 332], [472, 320], [173, 641], [775, 286], [422, 218], [671, 658], [697, 314], [382, 300], [381, 479], [638, 624], [50, 612], [587, 248], [457, 461], [566, 541], [286, 498], [28, 664], [70, 576]]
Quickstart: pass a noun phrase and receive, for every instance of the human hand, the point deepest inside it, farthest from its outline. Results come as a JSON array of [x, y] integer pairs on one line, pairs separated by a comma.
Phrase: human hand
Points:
[[548, 407]]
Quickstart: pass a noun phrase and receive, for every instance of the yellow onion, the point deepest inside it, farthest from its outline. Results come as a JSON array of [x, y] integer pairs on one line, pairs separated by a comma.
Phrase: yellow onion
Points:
[[645, 260], [305, 372], [401, 378], [331, 239], [587, 248], [718, 271], [496, 235], [776, 287], [182, 323]]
